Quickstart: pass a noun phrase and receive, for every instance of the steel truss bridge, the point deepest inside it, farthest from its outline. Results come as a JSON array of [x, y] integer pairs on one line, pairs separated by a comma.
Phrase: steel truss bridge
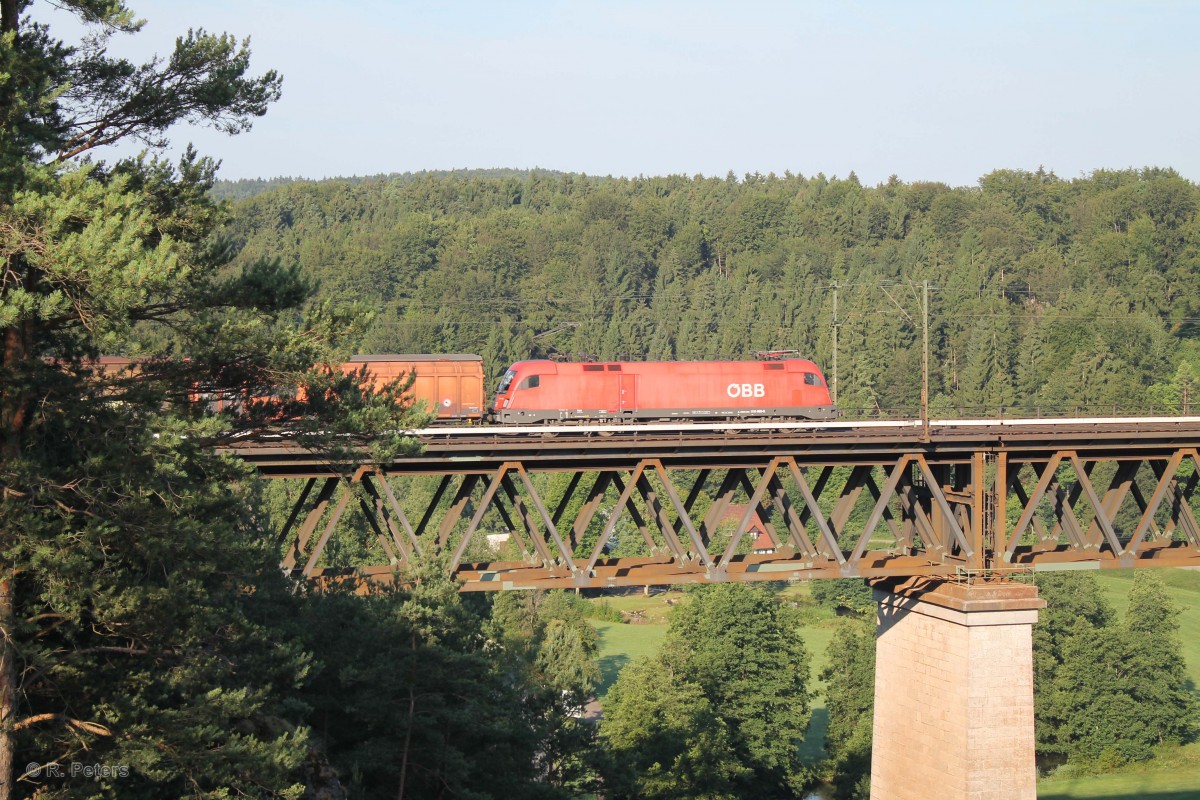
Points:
[[835, 499]]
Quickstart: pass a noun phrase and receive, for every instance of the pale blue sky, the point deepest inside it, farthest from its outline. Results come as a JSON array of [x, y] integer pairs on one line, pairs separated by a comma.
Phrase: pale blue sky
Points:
[[943, 91]]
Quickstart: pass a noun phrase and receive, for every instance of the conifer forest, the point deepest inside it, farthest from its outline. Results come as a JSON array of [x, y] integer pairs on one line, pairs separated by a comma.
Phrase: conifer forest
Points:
[[1045, 294]]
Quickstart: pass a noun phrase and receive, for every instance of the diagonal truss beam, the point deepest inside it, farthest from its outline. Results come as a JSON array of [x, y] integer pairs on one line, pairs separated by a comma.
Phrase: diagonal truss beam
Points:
[[926, 516], [1165, 480], [1039, 491]]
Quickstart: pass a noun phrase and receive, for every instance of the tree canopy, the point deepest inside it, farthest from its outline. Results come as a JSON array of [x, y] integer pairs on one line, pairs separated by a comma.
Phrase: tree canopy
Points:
[[1048, 295], [138, 600], [1108, 691], [723, 707], [849, 677]]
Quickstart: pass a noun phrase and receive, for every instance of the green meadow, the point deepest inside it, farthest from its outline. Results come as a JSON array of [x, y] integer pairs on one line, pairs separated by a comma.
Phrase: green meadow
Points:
[[1173, 775]]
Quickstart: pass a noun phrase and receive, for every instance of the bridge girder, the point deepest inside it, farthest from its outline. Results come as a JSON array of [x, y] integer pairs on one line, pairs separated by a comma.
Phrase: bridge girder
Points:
[[829, 505]]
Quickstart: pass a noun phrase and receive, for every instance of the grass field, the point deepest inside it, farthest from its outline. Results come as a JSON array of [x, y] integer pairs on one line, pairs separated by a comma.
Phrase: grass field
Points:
[[1174, 775], [648, 616], [621, 644], [646, 624]]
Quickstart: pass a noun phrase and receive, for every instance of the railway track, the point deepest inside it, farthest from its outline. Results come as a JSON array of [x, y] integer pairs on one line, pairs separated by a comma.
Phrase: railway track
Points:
[[696, 444]]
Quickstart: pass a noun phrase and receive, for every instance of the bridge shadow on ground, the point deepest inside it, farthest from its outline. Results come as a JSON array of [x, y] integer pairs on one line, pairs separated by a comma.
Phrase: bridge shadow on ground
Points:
[[610, 668], [812, 749]]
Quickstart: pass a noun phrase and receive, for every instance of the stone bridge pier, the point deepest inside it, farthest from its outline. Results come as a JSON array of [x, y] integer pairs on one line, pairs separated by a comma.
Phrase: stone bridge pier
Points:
[[954, 691]]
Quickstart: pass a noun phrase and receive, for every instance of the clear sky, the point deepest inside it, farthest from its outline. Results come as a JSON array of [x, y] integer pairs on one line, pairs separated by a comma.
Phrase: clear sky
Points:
[[943, 91]]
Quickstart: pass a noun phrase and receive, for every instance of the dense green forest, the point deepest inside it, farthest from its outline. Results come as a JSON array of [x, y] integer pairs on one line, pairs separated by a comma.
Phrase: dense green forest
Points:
[[248, 187], [1046, 294]]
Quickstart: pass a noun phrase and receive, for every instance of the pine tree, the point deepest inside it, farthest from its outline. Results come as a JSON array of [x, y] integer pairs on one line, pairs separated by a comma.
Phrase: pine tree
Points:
[[413, 699], [1168, 706], [987, 385], [553, 649], [1074, 607], [137, 600]]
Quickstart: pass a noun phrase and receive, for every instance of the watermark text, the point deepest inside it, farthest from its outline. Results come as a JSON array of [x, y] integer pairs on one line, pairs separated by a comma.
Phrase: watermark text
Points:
[[76, 769]]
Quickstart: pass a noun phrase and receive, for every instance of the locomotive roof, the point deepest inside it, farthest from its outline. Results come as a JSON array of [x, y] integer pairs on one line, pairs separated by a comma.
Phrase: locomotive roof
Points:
[[698, 361], [416, 357]]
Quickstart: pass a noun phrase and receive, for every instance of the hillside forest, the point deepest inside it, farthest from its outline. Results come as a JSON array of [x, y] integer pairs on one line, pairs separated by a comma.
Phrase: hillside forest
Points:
[[1046, 295]]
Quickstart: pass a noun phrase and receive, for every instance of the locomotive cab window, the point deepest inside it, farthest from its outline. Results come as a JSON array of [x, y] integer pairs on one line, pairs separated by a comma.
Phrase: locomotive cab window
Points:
[[532, 382], [506, 381], [812, 379], [593, 368]]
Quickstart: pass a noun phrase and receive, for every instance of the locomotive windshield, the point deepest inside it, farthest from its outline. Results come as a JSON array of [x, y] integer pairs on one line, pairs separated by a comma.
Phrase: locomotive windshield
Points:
[[506, 381]]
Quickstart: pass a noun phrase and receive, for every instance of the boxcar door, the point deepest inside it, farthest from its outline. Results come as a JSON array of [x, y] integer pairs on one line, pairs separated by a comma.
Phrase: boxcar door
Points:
[[628, 393], [470, 395], [448, 397]]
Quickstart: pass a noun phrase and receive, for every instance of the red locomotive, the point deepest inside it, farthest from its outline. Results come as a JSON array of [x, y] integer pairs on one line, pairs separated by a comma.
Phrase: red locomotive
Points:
[[545, 391]]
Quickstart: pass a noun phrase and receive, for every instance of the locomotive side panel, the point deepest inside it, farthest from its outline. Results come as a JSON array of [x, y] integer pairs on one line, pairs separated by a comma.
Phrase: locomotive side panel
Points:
[[732, 388], [539, 391]]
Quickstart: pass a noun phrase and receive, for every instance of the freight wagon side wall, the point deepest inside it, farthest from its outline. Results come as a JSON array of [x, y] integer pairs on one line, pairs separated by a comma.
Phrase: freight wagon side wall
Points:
[[453, 389]]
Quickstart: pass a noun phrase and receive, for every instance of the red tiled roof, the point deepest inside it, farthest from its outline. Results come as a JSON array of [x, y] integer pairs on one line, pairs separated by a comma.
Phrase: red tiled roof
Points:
[[733, 515]]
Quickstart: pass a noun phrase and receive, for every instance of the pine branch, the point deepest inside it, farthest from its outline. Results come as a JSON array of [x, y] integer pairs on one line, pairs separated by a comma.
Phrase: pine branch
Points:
[[94, 728]]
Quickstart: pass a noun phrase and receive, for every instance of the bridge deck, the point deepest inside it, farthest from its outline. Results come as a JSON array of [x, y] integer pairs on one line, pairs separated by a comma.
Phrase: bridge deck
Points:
[[574, 447]]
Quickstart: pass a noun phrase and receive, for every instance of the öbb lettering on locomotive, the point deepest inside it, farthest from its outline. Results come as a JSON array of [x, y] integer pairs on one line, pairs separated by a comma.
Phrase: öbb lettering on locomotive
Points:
[[746, 390]]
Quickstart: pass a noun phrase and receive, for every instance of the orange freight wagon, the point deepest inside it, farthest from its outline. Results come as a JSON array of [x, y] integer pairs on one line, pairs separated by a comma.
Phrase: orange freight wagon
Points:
[[451, 385]]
